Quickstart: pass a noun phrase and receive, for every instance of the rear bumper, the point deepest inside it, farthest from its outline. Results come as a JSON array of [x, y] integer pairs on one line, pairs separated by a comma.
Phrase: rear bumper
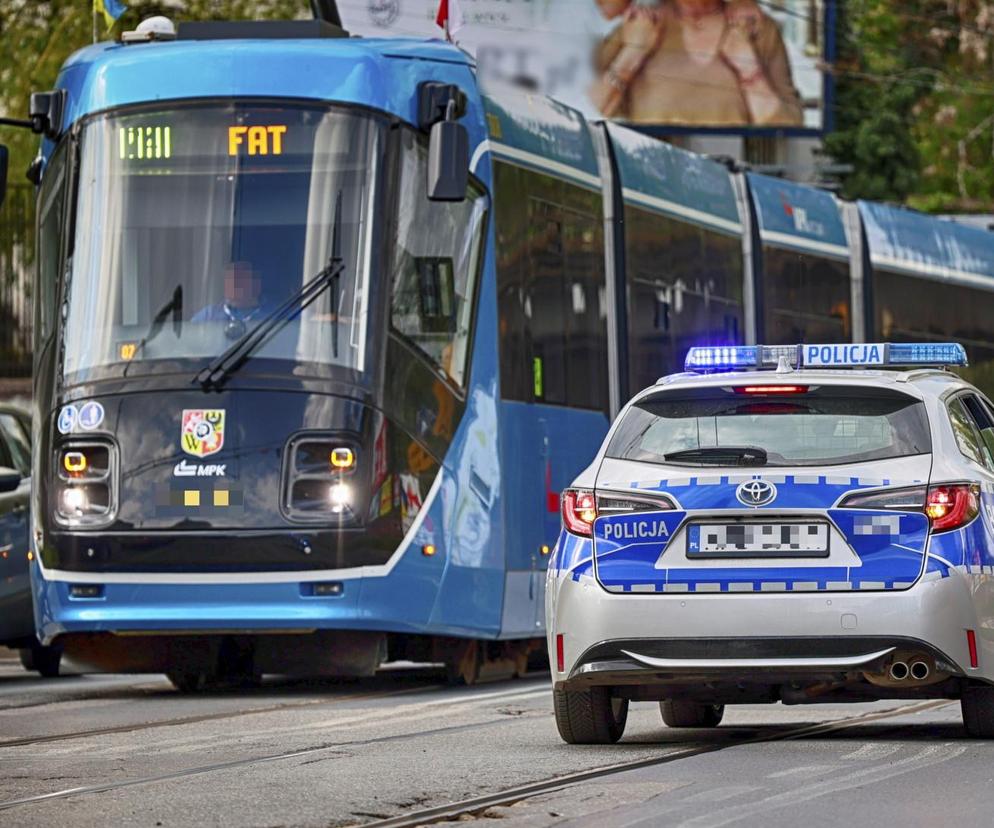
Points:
[[611, 639]]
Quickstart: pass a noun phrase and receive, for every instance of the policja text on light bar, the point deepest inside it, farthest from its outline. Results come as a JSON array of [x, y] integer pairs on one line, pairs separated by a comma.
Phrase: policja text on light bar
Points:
[[826, 355]]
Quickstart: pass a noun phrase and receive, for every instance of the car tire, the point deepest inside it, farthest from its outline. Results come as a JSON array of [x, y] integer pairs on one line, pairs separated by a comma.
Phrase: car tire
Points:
[[681, 713], [45, 661], [590, 717], [977, 705]]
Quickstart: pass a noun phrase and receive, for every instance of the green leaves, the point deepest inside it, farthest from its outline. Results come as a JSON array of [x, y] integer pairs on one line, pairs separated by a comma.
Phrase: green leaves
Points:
[[36, 37], [914, 102]]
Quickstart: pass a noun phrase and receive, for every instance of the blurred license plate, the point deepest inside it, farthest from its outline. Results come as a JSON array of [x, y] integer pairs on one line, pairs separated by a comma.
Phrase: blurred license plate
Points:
[[725, 540]]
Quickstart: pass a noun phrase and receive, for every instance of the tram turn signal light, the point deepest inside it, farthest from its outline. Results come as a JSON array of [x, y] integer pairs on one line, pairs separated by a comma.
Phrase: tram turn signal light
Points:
[[342, 458], [428, 550], [74, 462]]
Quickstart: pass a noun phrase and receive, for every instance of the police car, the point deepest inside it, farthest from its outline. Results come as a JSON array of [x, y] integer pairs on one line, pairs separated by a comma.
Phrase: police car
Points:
[[802, 524]]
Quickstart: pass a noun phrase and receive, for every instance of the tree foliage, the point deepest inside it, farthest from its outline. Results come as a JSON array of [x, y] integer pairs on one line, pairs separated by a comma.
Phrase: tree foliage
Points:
[[915, 102], [36, 37]]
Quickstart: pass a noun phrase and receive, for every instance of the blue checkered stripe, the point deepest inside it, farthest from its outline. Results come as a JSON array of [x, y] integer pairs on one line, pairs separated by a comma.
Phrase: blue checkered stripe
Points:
[[890, 546], [890, 561], [794, 491]]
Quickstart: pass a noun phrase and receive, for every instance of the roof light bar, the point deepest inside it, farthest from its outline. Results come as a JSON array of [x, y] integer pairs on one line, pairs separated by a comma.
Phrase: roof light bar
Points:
[[839, 355]]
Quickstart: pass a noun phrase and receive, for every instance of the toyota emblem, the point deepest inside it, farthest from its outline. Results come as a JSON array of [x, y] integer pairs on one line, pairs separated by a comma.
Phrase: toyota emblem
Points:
[[756, 493]]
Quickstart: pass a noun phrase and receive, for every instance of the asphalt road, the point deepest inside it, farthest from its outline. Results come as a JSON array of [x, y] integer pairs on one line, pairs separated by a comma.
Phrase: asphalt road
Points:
[[129, 750]]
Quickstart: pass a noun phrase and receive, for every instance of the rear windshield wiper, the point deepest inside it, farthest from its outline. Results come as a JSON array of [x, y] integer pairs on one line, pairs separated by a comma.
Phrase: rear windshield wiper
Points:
[[742, 455], [215, 374]]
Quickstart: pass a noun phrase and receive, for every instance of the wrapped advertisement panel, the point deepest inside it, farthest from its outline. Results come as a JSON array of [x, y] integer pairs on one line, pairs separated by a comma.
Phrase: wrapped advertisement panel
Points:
[[732, 65]]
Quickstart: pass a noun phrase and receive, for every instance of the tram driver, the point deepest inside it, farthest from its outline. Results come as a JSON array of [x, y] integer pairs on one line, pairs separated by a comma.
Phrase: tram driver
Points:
[[243, 301]]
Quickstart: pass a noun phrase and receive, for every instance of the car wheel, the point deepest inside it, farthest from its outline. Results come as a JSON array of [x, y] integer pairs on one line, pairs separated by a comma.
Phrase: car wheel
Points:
[[680, 713], [977, 705], [43, 660], [590, 717]]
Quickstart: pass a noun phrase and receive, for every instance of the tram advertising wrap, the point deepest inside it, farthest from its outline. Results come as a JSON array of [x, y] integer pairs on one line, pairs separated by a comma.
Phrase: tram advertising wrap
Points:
[[728, 64]]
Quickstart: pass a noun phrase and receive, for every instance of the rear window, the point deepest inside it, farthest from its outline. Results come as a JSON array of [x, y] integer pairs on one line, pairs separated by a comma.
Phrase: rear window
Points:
[[822, 426]]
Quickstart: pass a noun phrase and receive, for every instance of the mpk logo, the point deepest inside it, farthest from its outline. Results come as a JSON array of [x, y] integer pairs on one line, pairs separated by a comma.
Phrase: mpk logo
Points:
[[202, 431]]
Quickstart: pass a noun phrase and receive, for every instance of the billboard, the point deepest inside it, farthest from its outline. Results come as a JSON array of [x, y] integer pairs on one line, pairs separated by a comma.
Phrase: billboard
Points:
[[702, 65]]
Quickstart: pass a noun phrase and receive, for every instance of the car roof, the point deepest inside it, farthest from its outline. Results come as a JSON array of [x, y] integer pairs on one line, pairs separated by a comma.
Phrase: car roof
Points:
[[920, 382]]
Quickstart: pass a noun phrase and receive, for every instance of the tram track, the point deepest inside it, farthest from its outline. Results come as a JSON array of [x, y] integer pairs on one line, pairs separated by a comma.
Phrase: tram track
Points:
[[179, 721], [475, 806], [329, 748]]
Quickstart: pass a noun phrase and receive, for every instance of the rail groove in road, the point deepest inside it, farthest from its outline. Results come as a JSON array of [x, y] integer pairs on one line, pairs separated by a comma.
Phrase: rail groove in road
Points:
[[329, 747], [510, 796], [208, 717]]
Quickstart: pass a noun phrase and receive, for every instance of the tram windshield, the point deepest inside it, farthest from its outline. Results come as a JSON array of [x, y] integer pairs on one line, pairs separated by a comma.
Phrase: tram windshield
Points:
[[196, 223]]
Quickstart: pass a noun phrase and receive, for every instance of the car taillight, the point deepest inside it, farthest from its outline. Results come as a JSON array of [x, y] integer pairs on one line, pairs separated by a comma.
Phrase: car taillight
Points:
[[910, 499], [579, 511], [948, 505], [770, 389], [952, 505]]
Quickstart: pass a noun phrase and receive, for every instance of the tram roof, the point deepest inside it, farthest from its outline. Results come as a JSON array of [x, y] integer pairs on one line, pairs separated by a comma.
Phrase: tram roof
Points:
[[378, 73], [798, 217], [921, 245]]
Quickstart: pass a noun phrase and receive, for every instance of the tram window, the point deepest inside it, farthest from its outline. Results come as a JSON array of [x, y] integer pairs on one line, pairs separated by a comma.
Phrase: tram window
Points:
[[436, 264], [805, 298], [684, 289], [186, 247], [51, 228], [910, 308], [551, 290]]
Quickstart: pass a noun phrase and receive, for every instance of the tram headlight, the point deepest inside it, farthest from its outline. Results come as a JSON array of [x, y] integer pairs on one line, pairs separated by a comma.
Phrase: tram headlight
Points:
[[84, 486], [324, 479], [74, 501], [340, 496]]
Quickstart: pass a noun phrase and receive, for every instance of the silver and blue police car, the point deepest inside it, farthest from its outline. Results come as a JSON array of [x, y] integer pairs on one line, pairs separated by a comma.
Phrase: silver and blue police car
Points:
[[797, 524]]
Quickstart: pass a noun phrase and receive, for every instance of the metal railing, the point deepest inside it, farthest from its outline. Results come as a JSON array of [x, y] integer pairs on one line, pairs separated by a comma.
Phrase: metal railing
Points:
[[17, 254]]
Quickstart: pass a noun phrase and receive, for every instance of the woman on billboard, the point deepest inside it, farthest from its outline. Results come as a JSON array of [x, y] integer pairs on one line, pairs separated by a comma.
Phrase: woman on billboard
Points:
[[707, 62]]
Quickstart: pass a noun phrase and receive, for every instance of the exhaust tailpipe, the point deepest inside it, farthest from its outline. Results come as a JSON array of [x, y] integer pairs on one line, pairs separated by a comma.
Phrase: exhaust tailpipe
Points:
[[919, 670], [899, 670]]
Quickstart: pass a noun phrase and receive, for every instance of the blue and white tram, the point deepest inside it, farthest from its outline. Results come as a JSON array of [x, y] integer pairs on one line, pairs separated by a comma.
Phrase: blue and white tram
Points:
[[293, 414]]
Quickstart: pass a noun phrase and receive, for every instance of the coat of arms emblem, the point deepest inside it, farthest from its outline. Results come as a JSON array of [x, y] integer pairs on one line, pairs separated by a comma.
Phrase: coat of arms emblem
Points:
[[202, 431]]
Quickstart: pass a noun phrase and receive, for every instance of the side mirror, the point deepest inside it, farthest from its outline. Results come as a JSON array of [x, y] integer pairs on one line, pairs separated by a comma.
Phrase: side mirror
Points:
[[10, 479], [4, 162], [448, 161]]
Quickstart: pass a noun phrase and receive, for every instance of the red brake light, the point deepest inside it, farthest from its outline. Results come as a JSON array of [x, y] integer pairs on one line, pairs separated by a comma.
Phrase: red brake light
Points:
[[579, 510], [771, 389], [951, 506]]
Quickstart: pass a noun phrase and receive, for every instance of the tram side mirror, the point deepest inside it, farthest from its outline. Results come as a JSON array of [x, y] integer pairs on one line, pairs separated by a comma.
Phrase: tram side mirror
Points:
[[10, 479], [448, 161], [4, 163]]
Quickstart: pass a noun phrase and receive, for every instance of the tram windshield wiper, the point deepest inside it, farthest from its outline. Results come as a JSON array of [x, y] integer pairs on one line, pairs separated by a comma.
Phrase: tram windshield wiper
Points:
[[215, 374], [719, 455], [175, 307]]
